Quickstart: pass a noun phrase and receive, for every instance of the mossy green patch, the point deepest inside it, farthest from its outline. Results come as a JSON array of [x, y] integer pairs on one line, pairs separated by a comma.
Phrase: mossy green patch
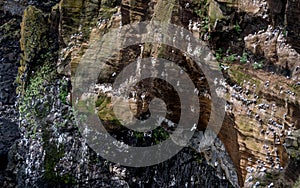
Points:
[[37, 45], [85, 106], [215, 12], [107, 12], [297, 184], [102, 106], [295, 88], [63, 94], [52, 157], [110, 3], [245, 126], [258, 65], [10, 30], [230, 58], [159, 135], [244, 58], [32, 105], [105, 109], [239, 76], [34, 29]]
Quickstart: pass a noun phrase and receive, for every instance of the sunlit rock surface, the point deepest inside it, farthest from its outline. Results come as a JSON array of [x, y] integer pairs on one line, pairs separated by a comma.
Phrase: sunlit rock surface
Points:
[[255, 41]]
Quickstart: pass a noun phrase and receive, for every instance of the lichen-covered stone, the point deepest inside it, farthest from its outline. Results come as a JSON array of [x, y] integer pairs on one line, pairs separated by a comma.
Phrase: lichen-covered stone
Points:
[[77, 16], [215, 12], [33, 40], [34, 30], [51, 151], [38, 43]]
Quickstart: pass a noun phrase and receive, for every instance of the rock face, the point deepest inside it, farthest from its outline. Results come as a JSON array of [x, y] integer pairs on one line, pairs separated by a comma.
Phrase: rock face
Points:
[[292, 147], [255, 42], [263, 106], [9, 60], [33, 38], [272, 45], [292, 144], [77, 16], [8, 134], [9, 53], [292, 21]]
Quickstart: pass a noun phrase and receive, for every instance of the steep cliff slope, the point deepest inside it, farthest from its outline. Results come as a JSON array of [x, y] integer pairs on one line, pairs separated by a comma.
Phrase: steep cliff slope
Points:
[[255, 42]]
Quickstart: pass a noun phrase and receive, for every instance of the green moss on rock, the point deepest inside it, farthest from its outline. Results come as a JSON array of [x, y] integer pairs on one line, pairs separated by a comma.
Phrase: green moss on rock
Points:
[[214, 11], [37, 45], [107, 12], [78, 16], [52, 157], [33, 34]]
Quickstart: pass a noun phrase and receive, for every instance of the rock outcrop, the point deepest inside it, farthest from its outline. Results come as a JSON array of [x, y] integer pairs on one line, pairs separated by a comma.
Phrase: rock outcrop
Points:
[[292, 23], [9, 60], [273, 45], [10, 33], [255, 42]]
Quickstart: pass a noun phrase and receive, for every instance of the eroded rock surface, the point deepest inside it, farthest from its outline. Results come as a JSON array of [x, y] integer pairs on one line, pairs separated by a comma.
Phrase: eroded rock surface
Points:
[[255, 42]]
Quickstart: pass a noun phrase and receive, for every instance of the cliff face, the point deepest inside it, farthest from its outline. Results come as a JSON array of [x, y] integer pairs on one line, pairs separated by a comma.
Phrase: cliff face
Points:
[[262, 94], [292, 22], [255, 42]]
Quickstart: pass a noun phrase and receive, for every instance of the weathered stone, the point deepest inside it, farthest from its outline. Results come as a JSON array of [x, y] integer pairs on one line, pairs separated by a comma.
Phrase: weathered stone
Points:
[[110, 3], [292, 147], [77, 16], [214, 12], [76, 21], [8, 135], [52, 148], [292, 15], [14, 8], [34, 29], [291, 142], [9, 57], [272, 44]]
